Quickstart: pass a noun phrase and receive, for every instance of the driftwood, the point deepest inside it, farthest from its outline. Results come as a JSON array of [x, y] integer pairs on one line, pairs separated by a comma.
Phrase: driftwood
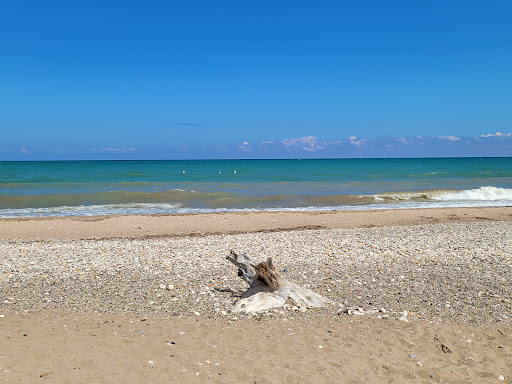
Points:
[[267, 289]]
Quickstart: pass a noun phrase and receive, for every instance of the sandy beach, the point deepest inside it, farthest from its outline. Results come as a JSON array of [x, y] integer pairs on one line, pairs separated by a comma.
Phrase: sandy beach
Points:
[[420, 296]]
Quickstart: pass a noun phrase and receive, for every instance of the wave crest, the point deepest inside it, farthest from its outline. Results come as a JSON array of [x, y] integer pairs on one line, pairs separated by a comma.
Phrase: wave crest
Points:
[[481, 194]]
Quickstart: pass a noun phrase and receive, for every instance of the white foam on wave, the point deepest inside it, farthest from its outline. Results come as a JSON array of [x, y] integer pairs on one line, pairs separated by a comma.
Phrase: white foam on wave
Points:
[[479, 194], [91, 210], [480, 197], [404, 196], [486, 193]]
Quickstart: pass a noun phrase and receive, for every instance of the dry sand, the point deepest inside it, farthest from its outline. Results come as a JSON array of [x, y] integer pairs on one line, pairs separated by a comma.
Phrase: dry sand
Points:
[[459, 329]]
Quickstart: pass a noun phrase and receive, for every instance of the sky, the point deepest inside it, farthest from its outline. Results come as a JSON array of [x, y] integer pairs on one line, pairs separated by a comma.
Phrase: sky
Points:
[[254, 79]]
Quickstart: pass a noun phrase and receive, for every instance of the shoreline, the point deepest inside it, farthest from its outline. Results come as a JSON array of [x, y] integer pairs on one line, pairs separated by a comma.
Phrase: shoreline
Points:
[[200, 224]]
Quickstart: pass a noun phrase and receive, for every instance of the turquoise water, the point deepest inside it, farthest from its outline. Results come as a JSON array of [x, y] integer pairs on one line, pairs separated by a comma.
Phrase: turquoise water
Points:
[[68, 188]]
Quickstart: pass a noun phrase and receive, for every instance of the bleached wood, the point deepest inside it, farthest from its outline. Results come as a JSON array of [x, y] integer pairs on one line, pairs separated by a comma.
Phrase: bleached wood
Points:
[[267, 289]]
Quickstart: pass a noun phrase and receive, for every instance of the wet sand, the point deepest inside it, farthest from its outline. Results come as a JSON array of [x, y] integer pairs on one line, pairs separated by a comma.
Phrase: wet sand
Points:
[[137, 226]]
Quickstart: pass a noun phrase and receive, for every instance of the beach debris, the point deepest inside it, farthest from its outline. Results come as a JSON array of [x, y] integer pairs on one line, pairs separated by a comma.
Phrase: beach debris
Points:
[[268, 290], [444, 348]]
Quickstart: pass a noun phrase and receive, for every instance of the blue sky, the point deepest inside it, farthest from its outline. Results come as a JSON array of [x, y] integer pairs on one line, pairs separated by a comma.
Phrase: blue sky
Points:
[[254, 79]]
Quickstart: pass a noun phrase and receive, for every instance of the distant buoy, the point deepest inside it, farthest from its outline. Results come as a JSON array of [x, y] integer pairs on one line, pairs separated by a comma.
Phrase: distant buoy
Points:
[[183, 172], [220, 173], [234, 171]]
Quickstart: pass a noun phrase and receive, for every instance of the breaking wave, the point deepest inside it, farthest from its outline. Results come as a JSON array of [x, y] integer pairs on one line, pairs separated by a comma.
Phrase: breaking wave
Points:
[[182, 201], [486, 193], [478, 194]]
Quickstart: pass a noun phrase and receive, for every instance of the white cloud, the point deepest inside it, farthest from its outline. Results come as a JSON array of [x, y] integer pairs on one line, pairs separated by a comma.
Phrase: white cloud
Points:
[[26, 151], [449, 138], [497, 134], [308, 143], [402, 140], [245, 146], [355, 141]]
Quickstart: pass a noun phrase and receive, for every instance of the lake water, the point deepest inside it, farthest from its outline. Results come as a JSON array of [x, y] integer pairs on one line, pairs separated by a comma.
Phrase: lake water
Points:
[[71, 188]]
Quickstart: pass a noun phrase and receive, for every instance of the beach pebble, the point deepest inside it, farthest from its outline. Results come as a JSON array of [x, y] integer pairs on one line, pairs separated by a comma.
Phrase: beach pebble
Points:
[[501, 377], [151, 362], [404, 319], [119, 275], [412, 355], [342, 311]]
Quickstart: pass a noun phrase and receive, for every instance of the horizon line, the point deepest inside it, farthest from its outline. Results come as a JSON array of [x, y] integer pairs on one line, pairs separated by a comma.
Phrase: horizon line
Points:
[[270, 158]]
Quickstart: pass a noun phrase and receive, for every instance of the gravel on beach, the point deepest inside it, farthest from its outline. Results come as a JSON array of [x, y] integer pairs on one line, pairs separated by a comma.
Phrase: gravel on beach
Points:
[[457, 271]]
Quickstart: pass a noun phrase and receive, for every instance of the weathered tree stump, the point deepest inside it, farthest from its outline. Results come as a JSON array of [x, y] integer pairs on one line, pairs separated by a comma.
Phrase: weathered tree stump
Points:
[[267, 289]]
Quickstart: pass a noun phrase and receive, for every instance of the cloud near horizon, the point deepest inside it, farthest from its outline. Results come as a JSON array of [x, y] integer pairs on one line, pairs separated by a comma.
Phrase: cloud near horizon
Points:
[[449, 138], [307, 143], [413, 146], [498, 144], [245, 146], [497, 134]]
